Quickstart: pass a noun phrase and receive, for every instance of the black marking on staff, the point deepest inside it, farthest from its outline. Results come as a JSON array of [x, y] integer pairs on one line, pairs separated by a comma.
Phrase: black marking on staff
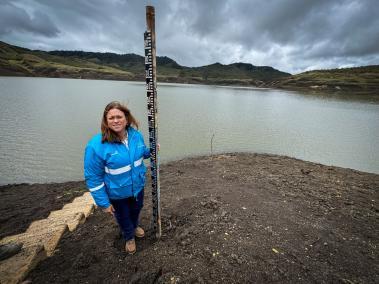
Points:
[[152, 111]]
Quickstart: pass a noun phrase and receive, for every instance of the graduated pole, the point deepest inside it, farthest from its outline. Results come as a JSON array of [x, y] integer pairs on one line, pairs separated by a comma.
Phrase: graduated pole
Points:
[[152, 115]]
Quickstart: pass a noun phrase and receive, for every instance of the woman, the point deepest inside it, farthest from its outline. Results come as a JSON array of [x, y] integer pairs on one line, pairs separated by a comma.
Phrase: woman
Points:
[[115, 172]]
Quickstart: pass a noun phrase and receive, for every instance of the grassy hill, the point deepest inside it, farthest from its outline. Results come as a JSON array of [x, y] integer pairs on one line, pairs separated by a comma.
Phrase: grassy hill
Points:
[[358, 79], [17, 61]]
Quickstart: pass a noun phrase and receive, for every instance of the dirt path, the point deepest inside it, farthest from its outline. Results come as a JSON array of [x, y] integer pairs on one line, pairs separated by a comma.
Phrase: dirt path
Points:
[[237, 219]]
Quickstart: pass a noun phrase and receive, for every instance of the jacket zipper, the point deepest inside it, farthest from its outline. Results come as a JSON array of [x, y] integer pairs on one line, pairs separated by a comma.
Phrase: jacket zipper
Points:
[[130, 158]]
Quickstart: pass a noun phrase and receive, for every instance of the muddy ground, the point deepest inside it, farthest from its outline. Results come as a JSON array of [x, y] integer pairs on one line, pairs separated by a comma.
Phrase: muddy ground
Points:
[[236, 218], [23, 203]]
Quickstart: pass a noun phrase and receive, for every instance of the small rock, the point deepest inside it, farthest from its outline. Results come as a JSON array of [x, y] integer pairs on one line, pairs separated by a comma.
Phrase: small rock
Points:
[[236, 258], [306, 172], [183, 234]]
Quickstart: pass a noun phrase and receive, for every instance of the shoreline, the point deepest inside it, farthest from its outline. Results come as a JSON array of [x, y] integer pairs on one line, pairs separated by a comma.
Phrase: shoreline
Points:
[[52, 183], [225, 218], [302, 89]]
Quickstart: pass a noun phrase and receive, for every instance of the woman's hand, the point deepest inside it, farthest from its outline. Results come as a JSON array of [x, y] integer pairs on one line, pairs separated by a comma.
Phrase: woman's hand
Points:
[[109, 210]]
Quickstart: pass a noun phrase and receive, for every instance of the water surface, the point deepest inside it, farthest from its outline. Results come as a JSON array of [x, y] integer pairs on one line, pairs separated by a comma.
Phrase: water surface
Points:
[[46, 123]]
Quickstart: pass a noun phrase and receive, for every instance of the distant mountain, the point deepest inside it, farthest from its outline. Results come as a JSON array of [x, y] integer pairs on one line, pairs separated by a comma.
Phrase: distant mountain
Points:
[[17, 61]]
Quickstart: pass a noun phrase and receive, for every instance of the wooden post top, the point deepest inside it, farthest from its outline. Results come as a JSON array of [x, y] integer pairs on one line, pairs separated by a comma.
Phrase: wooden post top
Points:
[[150, 19]]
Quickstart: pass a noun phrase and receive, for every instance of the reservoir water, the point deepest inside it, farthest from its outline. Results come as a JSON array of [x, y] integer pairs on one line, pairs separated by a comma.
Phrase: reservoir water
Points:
[[45, 124]]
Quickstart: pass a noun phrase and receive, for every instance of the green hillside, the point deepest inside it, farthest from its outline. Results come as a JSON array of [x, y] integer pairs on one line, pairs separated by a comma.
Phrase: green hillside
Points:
[[358, 79], [16, 61]]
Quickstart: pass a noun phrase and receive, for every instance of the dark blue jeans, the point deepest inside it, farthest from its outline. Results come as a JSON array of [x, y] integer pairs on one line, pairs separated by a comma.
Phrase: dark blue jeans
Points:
[[127, 213]]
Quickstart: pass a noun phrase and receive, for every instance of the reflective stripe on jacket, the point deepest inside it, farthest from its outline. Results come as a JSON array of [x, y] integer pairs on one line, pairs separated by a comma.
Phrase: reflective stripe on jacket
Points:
[[115, 170]]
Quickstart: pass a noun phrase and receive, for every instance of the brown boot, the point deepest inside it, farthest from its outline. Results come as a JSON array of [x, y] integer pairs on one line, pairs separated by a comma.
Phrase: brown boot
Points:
[[130, 246], [139, 232]]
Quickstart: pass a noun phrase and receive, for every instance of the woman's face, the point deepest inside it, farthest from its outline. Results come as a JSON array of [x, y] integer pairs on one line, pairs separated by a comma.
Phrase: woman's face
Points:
[[117, 121]]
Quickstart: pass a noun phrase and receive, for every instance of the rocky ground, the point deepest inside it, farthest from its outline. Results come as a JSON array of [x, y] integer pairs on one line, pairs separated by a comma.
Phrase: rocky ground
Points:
[[235, 218]]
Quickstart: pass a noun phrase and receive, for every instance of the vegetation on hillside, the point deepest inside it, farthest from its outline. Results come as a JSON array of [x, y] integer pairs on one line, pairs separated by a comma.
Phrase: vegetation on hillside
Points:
[[18, 61], [357, 79]]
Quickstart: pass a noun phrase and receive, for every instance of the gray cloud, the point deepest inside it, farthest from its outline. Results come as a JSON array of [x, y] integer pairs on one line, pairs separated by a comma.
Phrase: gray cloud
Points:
[[289, 35], [14, 18]]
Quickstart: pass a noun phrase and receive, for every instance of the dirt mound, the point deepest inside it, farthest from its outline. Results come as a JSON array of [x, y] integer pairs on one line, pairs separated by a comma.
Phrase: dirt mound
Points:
[[234, 219]]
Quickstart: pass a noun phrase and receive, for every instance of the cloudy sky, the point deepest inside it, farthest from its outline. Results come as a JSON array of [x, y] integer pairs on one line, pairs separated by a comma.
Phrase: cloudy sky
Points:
[[290, 35]]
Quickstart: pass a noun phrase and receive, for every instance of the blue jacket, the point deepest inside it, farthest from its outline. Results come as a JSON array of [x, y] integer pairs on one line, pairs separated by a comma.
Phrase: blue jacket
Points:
[[114, 170]]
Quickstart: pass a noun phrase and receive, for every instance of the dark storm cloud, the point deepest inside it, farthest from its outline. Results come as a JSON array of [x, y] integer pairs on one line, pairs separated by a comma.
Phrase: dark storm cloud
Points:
[[287, 22], [302, 29], [16, 19], [94, 25], [290, 35]]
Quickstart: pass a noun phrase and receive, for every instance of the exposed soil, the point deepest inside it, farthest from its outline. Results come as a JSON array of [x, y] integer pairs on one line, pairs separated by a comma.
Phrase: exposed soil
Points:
[[23, 203], [234, 218]]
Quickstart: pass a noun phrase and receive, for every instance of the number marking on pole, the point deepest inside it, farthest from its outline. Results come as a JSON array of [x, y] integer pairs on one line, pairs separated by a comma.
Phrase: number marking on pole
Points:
[[152, 115]]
